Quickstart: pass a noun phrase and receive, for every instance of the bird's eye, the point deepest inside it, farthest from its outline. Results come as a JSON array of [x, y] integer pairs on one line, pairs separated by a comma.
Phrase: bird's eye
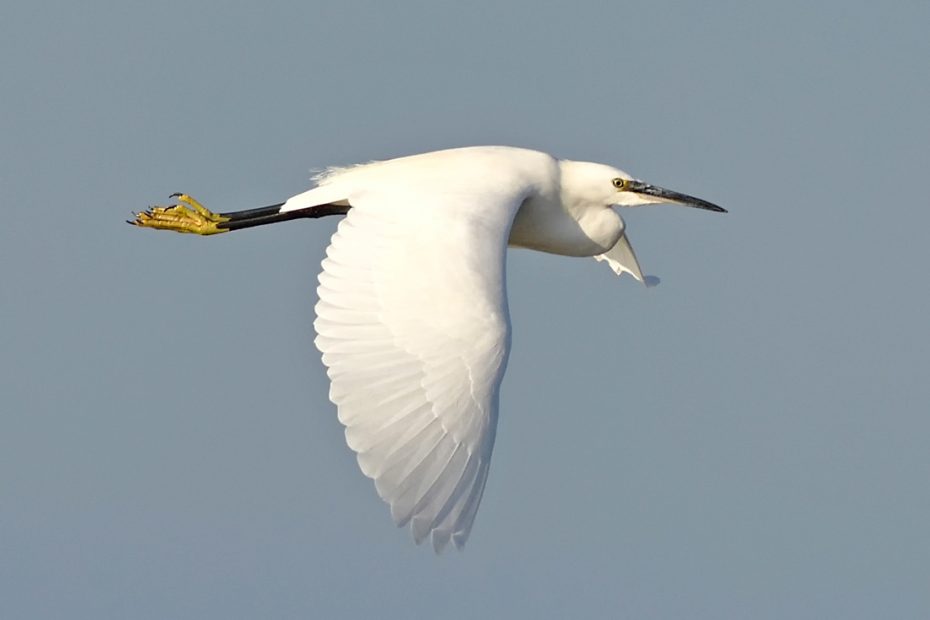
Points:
[[619, 183]]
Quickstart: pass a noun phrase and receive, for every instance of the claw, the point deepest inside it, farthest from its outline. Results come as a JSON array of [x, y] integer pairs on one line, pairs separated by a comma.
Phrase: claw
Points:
[[188, 216]]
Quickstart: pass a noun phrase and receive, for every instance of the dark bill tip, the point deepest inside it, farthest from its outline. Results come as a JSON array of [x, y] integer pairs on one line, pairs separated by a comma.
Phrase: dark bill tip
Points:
[[668, 195]]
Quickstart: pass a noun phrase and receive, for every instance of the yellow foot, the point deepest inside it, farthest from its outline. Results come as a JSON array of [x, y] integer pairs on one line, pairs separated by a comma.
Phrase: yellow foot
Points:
[[188, 216]]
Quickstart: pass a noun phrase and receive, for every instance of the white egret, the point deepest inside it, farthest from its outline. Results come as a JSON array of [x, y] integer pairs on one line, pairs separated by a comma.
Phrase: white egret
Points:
[[412, 317]]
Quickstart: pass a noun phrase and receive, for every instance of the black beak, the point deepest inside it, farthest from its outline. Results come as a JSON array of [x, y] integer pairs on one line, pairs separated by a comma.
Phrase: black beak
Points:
[[667, 195]]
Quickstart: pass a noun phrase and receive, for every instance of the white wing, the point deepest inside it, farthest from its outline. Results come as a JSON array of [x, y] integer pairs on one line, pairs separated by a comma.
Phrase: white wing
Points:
[[413, 326], [622, 259]]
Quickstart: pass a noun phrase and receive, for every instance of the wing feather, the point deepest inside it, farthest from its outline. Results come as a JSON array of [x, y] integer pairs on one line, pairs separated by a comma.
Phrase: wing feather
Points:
[[413, 326]]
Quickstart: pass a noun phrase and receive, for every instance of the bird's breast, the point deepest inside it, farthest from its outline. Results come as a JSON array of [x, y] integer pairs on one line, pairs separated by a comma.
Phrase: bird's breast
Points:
[[547, 226]]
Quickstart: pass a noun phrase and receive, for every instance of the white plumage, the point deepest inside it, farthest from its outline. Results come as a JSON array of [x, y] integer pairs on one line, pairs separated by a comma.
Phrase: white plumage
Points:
[[412, 319], [412, 316], [412, 322]]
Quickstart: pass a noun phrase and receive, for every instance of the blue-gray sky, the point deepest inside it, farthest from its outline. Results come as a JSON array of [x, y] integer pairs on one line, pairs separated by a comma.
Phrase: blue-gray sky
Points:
[[748, 439]]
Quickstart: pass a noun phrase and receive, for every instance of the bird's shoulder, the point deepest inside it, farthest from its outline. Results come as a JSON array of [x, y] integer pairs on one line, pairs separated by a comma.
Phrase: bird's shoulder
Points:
[[473, 169]]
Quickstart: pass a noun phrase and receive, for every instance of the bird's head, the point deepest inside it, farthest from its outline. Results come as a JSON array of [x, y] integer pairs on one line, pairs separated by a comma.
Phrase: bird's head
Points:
[[590, 183]]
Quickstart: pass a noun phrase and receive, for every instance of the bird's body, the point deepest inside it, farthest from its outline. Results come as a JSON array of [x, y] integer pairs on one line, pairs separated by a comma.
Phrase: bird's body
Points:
[[412, 317], [546, 220]]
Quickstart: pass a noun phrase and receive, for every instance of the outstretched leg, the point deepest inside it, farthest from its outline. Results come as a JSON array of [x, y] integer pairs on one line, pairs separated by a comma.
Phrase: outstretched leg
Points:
[[189, 216]]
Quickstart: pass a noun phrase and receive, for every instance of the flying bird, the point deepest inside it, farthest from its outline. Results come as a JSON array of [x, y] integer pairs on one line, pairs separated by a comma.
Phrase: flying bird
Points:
[[412, 318]]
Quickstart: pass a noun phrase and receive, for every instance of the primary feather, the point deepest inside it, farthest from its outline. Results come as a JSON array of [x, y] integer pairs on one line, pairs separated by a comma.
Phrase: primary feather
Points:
[[413, 325]]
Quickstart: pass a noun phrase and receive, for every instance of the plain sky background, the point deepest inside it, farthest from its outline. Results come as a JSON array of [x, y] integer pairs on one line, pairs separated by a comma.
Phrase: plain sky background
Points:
[[747, 440]]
